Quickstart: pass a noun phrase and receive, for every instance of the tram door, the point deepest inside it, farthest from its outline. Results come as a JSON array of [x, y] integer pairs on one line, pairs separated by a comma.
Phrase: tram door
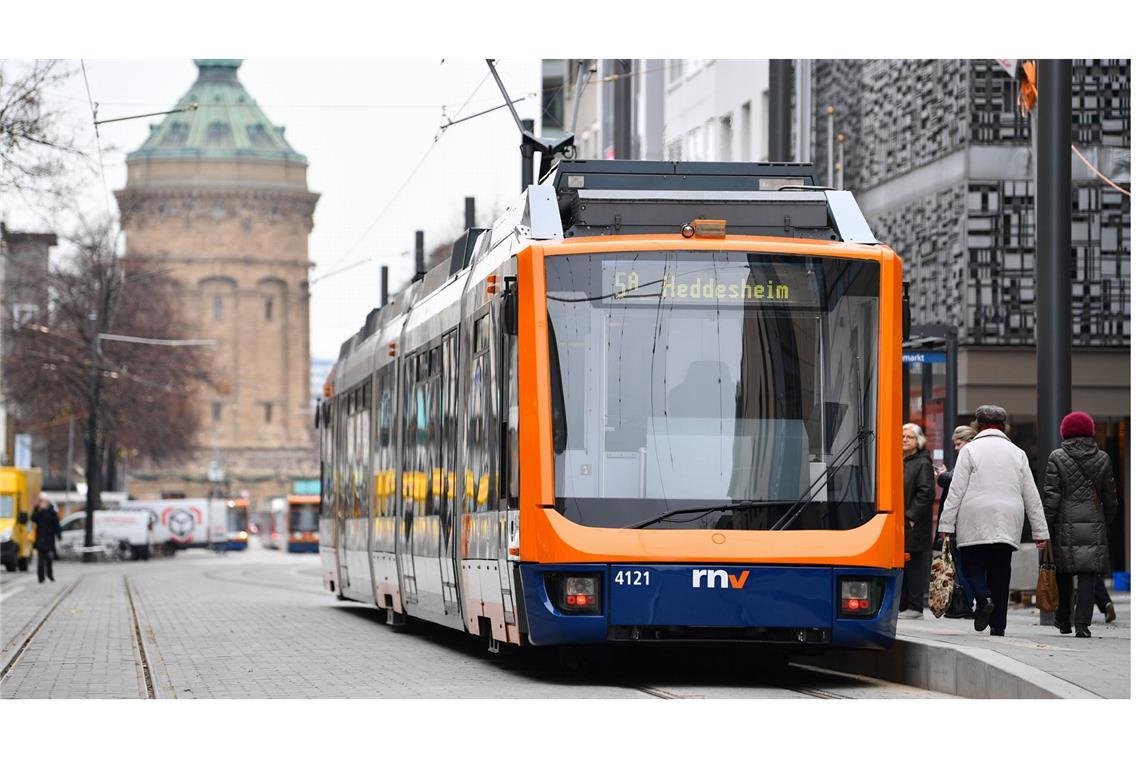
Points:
[[507, 416], [448, 478], [343, 486]]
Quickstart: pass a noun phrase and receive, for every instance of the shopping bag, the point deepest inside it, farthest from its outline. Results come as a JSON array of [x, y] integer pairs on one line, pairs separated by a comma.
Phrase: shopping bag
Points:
[[959, 604], [942, 580], [1048, 596]]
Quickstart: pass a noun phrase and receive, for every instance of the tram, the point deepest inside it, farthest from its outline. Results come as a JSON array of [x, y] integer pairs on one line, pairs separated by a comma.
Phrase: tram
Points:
[[302, 530], [237, 525], [273, 523], [656, 401]]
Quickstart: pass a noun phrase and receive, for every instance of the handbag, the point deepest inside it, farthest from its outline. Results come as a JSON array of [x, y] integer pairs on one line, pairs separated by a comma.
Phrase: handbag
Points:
[[1048, 595], [942, 580], [959, 604]]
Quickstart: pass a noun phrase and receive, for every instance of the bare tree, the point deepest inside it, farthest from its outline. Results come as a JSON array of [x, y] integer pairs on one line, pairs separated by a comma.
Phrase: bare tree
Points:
[[35, 142], [137, 395]]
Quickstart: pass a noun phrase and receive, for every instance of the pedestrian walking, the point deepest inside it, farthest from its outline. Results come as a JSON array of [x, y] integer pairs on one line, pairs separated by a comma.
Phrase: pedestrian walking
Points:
[[963, 434], [991, 494], [1080, 500], [1103, 601], [918, 501], [47, 532]]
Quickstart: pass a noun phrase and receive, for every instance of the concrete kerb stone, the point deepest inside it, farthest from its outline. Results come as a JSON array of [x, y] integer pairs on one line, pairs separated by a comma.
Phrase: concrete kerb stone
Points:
[[970, 672]]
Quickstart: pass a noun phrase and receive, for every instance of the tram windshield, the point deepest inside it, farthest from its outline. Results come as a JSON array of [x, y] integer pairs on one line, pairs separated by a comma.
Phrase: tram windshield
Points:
[[713, 389], [304, 518], [237, 519]]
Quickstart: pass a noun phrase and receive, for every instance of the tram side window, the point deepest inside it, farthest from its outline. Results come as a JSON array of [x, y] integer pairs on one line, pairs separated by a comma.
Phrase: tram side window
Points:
[[434, 432], [365, 448], [511, 405], [482, 487], [384, 440], [448, 429], [408, 455]]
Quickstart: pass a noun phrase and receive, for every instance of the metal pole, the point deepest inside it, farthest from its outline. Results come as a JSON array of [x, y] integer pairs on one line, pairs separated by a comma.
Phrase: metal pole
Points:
[[92, 443], [831, 146], [70, 454], [623, 119], [1054, 254], [841, 139], [421, 269], [803, 110], [527, 155], [468, 213], [950, 411], [779, 109], [383, 286]]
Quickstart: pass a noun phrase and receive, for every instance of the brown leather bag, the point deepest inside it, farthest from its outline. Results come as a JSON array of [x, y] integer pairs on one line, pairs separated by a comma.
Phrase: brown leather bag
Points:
[[1048, 596]]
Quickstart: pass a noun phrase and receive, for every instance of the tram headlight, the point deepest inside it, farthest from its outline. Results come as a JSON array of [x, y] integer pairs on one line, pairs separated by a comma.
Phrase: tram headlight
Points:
[[860, 597], [577, 594]]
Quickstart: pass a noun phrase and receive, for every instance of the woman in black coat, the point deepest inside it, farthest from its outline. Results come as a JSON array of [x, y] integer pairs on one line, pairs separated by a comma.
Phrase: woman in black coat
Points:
[[1079, 501], [918, 498]]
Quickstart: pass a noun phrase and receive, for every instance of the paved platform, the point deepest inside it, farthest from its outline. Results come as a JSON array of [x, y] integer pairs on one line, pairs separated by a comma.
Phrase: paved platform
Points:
[[1030, 661]]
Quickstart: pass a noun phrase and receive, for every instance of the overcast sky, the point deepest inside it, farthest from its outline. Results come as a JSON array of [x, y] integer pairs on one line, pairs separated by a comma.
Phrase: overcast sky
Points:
[[364, 127]]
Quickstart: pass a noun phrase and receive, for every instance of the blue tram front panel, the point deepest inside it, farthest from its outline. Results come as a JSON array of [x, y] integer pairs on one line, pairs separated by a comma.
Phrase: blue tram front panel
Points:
[[793, 605]]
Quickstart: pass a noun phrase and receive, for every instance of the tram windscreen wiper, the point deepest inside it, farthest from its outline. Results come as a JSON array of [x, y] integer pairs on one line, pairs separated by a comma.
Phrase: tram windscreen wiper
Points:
[[855, 445], [734, 507]]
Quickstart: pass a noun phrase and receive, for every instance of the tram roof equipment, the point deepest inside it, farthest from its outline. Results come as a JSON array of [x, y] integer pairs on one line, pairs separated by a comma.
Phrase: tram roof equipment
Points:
[[644, 197]]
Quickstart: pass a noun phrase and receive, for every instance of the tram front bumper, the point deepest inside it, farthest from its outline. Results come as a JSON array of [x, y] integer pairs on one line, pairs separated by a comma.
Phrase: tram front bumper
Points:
[[782, 605]]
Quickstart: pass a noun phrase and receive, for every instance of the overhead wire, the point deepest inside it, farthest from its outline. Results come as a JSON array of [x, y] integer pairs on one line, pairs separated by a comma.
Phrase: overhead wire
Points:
[[98, 140], [392, 200]]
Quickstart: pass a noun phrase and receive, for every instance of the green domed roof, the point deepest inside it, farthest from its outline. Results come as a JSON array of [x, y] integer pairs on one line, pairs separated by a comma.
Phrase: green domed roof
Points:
[[227, 123]]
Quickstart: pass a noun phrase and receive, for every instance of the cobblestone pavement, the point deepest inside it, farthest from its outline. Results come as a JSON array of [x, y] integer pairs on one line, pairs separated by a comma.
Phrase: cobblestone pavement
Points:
[[1101, 664], [257, 624]]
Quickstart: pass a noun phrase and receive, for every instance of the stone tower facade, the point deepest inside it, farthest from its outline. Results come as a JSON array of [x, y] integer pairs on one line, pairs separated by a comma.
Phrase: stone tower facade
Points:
[[219, 201]]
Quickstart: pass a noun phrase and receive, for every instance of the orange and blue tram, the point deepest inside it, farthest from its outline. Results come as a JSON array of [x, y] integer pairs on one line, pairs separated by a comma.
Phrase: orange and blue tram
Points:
[[656, 401]]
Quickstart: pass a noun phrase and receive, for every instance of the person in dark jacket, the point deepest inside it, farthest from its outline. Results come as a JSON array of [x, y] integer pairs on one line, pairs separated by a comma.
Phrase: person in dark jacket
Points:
[[1080, 501], [918, 498], [963, 434], [47, 532]]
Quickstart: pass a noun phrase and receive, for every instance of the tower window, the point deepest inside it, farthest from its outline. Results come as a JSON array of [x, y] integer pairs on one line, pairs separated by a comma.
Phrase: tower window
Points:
[[268, 410], [217, 308], [216, 411], [219, 134], [268, 309]]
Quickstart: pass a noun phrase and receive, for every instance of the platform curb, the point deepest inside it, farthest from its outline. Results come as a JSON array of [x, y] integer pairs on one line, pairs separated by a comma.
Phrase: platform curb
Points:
[[960, 671]]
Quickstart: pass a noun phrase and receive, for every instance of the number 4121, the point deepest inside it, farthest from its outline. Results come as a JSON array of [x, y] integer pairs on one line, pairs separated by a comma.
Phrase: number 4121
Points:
[[631, 578]]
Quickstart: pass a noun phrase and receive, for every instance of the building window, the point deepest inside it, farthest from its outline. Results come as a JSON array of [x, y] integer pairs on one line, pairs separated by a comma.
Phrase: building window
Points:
[[764, 126], [676, 69], [219, 134], [268, 410], [268, 309], [216, 411], [746, 132], [23, 313], [725, 147], [218, 308]]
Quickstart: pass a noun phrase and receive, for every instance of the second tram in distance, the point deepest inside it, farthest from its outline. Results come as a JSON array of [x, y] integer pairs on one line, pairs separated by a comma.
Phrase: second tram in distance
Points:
[[655, 401]]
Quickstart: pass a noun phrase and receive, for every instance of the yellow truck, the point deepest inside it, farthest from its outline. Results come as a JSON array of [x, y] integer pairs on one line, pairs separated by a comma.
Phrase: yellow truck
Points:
[[19, 490]]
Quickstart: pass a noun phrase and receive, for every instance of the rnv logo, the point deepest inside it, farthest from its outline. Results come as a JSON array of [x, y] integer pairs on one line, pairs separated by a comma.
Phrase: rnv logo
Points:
[[718, 579]]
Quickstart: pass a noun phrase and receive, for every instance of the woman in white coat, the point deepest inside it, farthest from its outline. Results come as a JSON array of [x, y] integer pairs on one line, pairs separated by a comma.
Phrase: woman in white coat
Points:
[[990, 496]]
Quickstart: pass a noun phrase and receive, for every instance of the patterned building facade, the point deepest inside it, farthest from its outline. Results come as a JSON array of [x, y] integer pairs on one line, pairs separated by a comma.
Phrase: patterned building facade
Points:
[[219, 202], [941, 161]]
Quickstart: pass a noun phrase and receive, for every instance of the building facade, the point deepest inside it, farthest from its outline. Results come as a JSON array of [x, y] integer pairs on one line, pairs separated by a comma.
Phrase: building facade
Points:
[[941, 161], [219, 201], [24, 261]]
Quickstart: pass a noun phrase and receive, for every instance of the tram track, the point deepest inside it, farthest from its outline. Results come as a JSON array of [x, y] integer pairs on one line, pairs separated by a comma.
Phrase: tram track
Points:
[[39, 619], [144, 651], [245, 579]]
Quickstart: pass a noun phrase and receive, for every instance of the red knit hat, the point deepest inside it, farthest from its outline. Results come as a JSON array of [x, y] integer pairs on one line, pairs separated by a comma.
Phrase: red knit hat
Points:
[[1077, 425]]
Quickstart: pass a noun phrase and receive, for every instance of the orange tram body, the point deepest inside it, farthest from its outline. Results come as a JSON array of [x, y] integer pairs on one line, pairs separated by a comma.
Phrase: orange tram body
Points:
[[656, 401]]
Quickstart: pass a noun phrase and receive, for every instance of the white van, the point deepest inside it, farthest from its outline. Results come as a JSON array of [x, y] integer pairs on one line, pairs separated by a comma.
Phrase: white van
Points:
[[115, 529], [178, 523]]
